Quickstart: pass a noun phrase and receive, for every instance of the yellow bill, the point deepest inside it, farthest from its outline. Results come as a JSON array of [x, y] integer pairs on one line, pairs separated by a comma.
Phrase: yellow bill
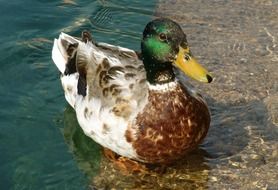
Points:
[[189, 65]]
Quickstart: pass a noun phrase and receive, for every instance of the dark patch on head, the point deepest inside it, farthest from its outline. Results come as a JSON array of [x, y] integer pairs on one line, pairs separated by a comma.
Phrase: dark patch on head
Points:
[[161, 34], [164, 26]]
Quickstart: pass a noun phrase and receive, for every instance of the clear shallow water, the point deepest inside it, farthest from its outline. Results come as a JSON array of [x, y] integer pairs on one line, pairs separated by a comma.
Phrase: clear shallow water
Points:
[[237, 41], [33, 152], [41, 144]]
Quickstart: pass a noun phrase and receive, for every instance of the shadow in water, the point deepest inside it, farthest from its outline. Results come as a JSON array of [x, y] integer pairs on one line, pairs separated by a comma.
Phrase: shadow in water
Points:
[[86, 152], [235, 127]]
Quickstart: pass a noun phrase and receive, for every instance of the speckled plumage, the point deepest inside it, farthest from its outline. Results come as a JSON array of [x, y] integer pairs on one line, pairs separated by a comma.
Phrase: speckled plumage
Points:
[[172, 124], [118, 108]]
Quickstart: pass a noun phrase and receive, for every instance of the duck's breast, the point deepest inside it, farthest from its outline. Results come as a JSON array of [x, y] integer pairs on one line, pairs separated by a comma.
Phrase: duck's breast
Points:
[[172, 124]]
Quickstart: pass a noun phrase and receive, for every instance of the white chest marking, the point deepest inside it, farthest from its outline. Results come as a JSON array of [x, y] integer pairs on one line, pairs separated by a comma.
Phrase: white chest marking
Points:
[[163, 87]]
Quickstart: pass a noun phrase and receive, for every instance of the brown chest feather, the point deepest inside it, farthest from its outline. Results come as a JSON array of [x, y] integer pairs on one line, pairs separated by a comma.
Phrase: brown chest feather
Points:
[[170, 125]]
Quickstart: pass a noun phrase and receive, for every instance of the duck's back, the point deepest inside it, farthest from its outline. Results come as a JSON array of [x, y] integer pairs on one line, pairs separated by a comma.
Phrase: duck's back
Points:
[[106, 85]]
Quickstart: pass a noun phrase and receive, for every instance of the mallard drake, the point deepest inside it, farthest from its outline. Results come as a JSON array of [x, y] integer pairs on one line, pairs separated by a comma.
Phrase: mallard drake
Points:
[[133, 103]]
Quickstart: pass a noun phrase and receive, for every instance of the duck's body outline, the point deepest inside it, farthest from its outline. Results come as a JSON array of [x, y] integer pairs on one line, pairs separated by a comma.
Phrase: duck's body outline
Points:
[[122, 110]]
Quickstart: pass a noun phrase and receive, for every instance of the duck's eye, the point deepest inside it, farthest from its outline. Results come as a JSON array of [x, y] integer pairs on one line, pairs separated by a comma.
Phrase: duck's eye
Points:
[[162, 36], [187, 57]]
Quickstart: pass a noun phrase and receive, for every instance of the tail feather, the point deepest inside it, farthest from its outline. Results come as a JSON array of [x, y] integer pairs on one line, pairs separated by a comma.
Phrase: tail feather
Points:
[[59, 50], [58, 57], [62, 57]]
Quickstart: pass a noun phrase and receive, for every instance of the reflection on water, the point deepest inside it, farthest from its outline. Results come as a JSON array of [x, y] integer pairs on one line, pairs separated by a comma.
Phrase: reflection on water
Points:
[[86, 151]]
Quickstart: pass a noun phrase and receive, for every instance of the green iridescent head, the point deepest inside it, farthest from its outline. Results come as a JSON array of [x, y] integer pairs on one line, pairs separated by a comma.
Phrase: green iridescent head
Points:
[[163, 46]]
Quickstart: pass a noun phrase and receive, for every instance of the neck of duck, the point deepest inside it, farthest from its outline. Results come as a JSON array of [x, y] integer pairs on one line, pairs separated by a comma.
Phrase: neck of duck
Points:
[[158, 73]]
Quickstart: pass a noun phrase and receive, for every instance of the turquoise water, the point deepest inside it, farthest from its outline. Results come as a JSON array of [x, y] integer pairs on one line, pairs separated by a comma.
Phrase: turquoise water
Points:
[[37, 128]]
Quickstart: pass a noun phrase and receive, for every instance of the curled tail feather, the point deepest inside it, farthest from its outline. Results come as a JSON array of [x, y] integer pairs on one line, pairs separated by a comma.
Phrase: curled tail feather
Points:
[[63, 51], [63, 55]]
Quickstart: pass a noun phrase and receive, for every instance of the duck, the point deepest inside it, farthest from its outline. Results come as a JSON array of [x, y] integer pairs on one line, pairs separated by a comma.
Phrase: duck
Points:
[[134, 103]]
